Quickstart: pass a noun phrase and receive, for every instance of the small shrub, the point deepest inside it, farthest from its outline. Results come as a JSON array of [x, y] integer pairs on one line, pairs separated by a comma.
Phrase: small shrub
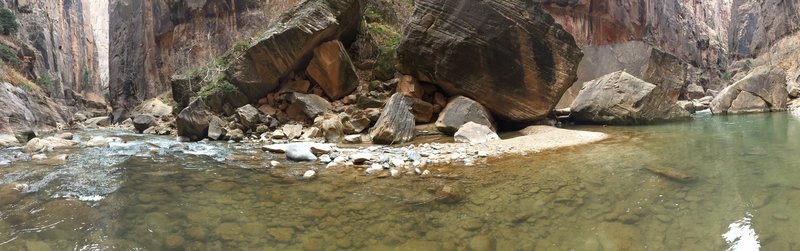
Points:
[[45, 81], [388, 40], [86, 81], [9, 56], [8, 22], [748, 65]]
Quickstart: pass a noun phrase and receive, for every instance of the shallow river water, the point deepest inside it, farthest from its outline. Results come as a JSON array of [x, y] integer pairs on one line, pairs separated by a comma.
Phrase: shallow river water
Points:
[[155, 194]]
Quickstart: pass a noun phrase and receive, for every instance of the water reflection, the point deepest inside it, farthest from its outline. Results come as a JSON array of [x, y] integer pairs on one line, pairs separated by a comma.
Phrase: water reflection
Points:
[[152, 194]]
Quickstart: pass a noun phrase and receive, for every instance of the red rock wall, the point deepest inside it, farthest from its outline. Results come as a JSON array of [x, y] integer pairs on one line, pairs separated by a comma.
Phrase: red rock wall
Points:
[[176, 36], [695, 31]]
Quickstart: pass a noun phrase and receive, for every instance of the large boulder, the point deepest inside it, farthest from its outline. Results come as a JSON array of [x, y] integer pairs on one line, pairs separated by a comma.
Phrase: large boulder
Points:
[[311, 105], [25, 112], [396, 123], [288, 44], [193, 121], [639, 59], [248, 116], [143, 121], [154, 107], [620, 98], [475, 133], [333, 70], [460, 111], [512, 50], [763, 90], [216, 128]]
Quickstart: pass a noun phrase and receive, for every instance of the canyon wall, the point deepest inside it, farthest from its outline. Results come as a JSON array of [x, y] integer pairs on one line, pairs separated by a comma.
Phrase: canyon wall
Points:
[[694, 31], [97, 11], [56, 39], [151, 40]]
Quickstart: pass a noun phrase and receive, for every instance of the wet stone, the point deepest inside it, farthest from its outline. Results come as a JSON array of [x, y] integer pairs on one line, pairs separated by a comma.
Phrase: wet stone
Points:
[[282, 234]]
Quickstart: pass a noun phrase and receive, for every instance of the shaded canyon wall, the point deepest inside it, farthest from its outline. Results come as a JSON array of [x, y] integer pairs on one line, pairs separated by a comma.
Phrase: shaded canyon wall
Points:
[[151, 40], [59, 42]]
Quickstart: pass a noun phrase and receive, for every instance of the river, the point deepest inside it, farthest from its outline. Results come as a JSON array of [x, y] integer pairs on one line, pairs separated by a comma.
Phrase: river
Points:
[[152, 193]]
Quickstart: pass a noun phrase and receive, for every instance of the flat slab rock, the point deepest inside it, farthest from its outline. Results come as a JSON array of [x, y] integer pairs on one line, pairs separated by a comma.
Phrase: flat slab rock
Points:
[[671, 173]]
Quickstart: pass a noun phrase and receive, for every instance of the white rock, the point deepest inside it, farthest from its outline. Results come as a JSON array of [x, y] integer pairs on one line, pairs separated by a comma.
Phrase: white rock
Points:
[[300, 152], [331, 165], [483, 154], [340, 159], [309, 174], [417, 171], [397, 162], [394, 172], [360, 158], [353, 139], [274, 163], [39, 157], [426, 173], [374, 168], [325, 159]]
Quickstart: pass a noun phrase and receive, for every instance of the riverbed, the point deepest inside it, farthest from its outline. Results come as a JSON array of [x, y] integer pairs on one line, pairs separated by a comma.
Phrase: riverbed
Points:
[[152, 193]]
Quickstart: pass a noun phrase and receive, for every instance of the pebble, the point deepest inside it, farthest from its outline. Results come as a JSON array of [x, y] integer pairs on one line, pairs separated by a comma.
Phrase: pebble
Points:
[[39, 157], [325, 159], [309, 174], [4, 162], [397, 162], [320, 149], [413, 156], [352, 139], [360, 158], [340, 159], [374, 168], [426, 173], [394, 172], [274, 163]]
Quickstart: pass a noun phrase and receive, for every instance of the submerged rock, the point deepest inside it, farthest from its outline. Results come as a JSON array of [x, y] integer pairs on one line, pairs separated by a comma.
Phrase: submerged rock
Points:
[[396, 124], [620, 98], [460, 111], [671, 173], [496, 52], [763, 90]]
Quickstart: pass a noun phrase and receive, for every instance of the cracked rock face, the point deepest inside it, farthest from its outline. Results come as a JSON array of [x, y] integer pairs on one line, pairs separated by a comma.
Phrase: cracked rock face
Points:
[[511, 49], [763, 90]]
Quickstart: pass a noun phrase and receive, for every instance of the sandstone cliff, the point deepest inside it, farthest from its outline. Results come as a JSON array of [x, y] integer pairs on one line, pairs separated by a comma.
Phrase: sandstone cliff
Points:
[[151, 40], [56, 40]]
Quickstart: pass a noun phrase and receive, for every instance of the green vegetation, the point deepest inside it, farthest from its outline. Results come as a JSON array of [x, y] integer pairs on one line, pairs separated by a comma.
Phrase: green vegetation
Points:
[[8, 22], [45, 81], [9, 56], [748, 65], [388, 39], [86, 81], [726, 76]]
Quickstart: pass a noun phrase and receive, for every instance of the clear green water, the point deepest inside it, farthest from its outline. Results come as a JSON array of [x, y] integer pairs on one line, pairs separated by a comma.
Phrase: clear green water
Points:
[[141, 196]]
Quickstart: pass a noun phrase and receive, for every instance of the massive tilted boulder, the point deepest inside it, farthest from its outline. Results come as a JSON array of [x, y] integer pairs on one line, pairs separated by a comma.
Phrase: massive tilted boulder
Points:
[[333, 70], [194, 120], [396, 124], [23, 113], [508, 55], [763, 90], [460, 111], [620, 98], [289, 43]]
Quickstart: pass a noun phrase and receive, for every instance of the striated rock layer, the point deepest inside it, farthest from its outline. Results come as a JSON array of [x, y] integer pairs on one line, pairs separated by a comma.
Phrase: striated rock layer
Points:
[[151, 40], [495, 52], [57, 40]]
